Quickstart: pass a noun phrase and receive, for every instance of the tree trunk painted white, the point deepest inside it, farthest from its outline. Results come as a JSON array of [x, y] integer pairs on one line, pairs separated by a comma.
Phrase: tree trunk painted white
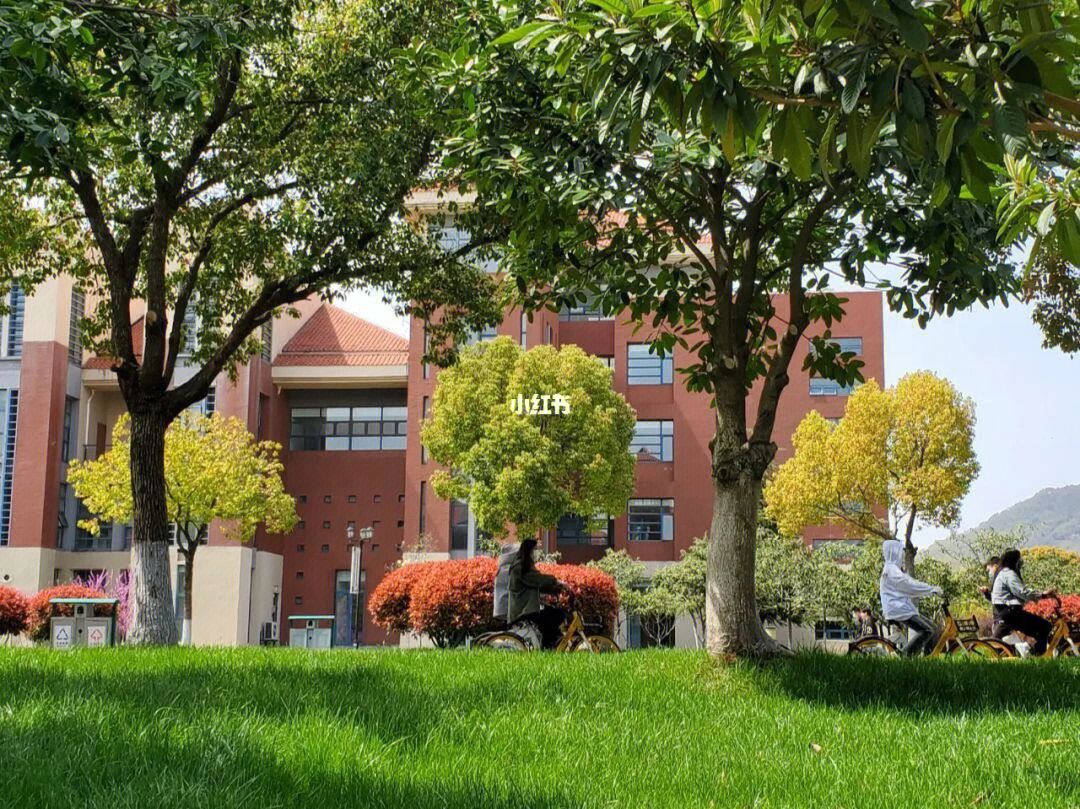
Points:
[[153, 619]]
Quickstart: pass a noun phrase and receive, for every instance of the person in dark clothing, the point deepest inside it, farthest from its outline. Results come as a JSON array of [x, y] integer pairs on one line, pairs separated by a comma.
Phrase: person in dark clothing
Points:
[[526, 585], [1009, 596], [993, 565]]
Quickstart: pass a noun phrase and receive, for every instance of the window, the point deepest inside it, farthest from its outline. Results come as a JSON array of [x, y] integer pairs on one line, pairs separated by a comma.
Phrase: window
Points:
[[550, 335], [16, 316], [61, 515], [650, 631], [78, 304], [524, 330], [9, 418], [459, 525], [650, 519], [575, 530], [348, 428], [831, 630], [84, 540], [588, 310], [848, 345], [423, 506], [426, 367], [828, 387], [206, 405], [653, 441], [608, 361], [343, 609], [646, 368], [267, 339], [480, 335], [425, 411], [70, 403]]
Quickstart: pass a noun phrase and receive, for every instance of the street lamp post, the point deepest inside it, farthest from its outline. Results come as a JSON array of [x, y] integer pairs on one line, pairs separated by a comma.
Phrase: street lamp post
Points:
[[357, 573]]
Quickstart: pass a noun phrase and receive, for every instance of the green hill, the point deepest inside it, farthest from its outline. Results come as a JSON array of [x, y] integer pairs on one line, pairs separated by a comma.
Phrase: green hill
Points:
[[1051, 517]]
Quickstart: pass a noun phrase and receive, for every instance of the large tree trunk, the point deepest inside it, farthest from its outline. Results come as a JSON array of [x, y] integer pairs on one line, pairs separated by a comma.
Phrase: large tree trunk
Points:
[[732, 624], [153, 620], [909, 547]]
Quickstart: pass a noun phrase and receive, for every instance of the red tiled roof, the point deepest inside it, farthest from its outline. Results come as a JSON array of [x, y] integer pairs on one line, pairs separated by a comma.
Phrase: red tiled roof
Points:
[[332, 336], [106, 363]]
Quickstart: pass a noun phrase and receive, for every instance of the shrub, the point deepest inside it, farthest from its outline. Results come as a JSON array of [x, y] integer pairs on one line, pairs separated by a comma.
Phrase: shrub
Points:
[[39, 609], [1048, 608], [13, 606], [114, 585], [454, 599], [389, 602], [593, 592], [1052, 567]]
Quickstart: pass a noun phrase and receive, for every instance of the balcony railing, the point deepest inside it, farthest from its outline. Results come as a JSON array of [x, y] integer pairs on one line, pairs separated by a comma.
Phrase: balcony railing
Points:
[[92, 452]]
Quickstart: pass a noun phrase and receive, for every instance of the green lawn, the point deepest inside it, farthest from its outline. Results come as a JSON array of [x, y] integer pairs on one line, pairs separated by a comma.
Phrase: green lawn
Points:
[[306, 730]]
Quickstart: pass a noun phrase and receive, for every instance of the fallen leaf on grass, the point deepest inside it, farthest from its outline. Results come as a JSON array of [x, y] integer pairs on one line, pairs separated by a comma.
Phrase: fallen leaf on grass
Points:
[[816, 748], [982, 796], [1048, 742]]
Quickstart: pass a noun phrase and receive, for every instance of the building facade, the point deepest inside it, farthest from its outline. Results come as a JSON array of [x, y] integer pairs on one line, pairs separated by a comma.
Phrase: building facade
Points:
[[345, 399]]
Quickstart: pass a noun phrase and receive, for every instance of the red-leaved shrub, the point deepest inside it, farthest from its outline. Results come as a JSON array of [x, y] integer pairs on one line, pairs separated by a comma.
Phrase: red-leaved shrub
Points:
[[454, 599], [449, 601], [1048, 608], [39, 609], [592, 592], [389, 602], [12, 611]]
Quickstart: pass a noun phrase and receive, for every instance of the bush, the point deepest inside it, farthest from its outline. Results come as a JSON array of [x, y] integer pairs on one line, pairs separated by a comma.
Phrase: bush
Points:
[[13, 606], [390, 601], [449, 601], [594, 592], [454, 599], [114, 585], [39, 609], [1052, 567], [1048, 608]]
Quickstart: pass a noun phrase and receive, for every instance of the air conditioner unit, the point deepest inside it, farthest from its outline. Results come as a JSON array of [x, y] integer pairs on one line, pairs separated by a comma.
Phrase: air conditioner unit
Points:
[[269, 633]]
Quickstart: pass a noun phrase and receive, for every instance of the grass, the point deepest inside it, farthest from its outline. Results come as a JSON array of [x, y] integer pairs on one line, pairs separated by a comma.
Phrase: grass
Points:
[[268, 728]]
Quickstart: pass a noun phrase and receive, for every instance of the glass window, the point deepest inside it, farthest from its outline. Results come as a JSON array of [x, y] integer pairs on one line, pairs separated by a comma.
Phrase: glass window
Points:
[[575, 530], [650, 519], [481, 335], [423, 506], [646, 632], [9, 418], [344, 609], [524, 330], [848, 345], [459, 525], [267, 341], [588, 310], [78, 303], [70, 404], [646, 368], [608, 361], [653, 441], [828, 387], [345, 428], [16, 316]]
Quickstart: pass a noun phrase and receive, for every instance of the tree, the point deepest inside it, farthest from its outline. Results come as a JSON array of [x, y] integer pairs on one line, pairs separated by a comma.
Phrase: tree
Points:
[[683, 586], [627, 573], [907, 449], [710, 166], [215, 470], [528, 470], [783, 578], [218, 161]]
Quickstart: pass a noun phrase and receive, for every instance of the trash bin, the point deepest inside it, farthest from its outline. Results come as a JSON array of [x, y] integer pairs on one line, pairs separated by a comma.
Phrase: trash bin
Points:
[[311, 635], [83, 628]]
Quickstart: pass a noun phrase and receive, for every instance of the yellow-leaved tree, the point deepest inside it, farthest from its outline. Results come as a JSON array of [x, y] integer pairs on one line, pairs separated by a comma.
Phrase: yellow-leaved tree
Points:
[[898, 458], [215, 470]]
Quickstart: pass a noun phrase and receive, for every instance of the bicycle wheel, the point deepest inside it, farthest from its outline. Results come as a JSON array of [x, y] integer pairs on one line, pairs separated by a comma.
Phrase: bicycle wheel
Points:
[[873, 645], [981, 648], [598, 644], [1066, 649], [1003, 649], [505, 642]]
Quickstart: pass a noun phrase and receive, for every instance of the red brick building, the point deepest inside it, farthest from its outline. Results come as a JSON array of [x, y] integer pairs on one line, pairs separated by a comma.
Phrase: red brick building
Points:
[[345, 399]]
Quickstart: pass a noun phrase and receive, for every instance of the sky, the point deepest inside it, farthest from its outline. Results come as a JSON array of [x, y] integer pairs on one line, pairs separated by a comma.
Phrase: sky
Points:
[[1027, 434]]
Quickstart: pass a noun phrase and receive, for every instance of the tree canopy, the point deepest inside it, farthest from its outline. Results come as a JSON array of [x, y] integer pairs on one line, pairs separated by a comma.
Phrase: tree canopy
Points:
[[529, 470], [905, 452], [713, 168]]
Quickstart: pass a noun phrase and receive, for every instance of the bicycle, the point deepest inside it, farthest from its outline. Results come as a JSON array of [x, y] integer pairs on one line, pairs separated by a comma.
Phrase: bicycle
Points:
[[524, 636], [1064, 640], [957, 635]]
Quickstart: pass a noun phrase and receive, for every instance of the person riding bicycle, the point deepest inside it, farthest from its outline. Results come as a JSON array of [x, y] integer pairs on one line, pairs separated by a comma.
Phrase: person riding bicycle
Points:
[[1009, 596], [501, 601], [526, 583], [899, 592], [993, 566]]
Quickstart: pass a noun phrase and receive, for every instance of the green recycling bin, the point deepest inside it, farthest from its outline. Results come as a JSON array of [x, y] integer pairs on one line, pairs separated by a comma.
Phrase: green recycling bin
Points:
[[82, 628]]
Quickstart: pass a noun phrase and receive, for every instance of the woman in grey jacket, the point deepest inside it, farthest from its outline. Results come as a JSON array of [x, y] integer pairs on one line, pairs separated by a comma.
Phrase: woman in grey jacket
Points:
[[526, 585], [1009, 596]]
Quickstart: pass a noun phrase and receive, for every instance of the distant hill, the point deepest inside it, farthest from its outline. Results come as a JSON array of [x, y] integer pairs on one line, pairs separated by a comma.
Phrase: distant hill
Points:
[[1051, 517]]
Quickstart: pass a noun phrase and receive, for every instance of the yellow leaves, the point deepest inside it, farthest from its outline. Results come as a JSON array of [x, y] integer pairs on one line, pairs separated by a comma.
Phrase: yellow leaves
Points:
[[214, 470], [908, 447]]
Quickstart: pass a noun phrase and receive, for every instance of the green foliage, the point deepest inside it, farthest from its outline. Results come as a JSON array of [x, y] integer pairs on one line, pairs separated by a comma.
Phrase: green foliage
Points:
[[784, 578], [530, 470]]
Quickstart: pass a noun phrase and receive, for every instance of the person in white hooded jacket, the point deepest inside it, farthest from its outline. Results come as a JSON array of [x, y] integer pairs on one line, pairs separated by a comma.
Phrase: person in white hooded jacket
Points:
[[899, 592]]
